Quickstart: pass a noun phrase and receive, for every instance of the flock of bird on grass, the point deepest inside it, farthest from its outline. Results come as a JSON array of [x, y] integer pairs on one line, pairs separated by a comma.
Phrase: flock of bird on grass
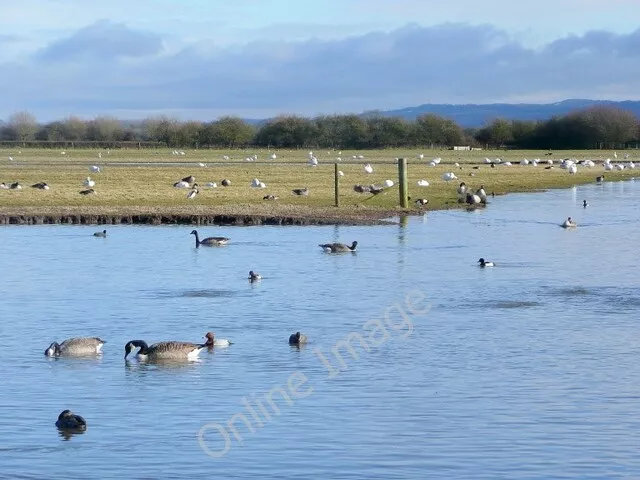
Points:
[[464, 195]]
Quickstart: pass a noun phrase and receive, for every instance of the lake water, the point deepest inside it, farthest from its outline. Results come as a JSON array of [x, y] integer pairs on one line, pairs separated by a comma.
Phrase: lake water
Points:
[[528, 370]]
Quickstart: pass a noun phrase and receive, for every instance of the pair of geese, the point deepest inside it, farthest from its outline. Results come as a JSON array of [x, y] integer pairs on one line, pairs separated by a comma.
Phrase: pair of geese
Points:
[[219, 241], [173, 350]]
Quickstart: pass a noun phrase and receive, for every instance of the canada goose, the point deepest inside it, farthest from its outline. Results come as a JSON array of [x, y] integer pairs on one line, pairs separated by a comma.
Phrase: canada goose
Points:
[[226, 182], [422, 201], [339, 247], [482, 194], [600, 179], [190, 179], [4, 186], [182, 184], [75, 347], [569, 223], [484, 263], [301, 191], [212, 341], [164, 350], [270, 197], [209, 241], [585, 204], [103, 233], [70, 421], [254, 276], [297, 339], [192, 194], [15, 186], [89, 191], [89, 183], [41, 186], [361, 188]]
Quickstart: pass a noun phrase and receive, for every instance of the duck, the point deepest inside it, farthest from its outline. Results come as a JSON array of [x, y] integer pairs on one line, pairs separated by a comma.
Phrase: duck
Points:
[[212, 341], [41, 186], [69, 421], [89, 183], [209, 241], [339, 247], [103, 234], [89, 191], [297, 339], [192, 194], [569, 223], [76, 347], [301, 191], [484, 263], [164, 350], [585, 204], [254, 276]]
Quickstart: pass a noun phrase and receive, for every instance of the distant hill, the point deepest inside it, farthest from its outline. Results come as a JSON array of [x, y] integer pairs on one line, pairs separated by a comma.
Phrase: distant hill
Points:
[[474, 115]]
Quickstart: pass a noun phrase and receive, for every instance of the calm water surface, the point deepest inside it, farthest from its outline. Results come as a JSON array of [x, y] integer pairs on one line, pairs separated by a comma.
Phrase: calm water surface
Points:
[[528, 370]]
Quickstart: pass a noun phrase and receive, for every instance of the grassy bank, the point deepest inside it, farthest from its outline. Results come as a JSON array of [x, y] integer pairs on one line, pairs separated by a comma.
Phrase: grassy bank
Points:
[[133, 182]]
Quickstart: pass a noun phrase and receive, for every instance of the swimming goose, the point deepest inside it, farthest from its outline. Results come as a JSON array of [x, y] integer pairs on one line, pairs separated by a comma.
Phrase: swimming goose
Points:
[[568, 223], [89, 191], [254, 276], [301, 191], [339, 247], [70, 421], [212, 341], [209, 241], [297, 339], [75, 347], [484, 263], [164, 350], [41, 186], [103, 233]]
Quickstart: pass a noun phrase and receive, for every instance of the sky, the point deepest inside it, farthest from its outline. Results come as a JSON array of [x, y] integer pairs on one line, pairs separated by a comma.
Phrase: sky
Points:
[[202, 59]]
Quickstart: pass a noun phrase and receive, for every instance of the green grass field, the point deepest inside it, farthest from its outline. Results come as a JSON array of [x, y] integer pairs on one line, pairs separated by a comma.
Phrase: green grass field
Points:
[[142, 180]]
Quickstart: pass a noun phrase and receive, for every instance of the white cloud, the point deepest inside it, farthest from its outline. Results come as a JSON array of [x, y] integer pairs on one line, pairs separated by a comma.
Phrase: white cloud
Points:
[[448, 63]]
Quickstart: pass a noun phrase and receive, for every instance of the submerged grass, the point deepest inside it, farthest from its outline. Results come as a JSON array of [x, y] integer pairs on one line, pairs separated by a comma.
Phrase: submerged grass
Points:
[[139, 181]]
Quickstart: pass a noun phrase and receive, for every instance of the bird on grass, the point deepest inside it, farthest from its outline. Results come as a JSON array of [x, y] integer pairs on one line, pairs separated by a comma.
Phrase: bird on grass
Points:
[[89, 191], [41, 186], [301, 191]]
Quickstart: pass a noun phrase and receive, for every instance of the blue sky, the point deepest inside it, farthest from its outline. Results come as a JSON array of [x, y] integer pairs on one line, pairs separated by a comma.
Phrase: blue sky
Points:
[[199, 59]]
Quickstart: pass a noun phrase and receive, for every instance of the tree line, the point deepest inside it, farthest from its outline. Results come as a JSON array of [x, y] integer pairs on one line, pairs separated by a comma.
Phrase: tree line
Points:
[[595, 127]]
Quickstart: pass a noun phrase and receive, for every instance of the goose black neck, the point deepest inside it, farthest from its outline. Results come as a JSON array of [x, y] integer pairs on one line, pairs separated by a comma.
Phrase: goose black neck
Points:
[[144, 348]]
